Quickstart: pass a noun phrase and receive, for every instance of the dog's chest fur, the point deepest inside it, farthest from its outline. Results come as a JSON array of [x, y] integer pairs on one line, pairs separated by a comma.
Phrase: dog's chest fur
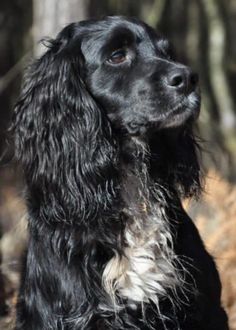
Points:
[[146, 270]]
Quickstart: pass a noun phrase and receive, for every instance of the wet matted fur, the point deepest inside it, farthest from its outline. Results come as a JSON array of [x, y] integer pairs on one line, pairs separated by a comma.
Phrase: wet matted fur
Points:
[[104, 133]]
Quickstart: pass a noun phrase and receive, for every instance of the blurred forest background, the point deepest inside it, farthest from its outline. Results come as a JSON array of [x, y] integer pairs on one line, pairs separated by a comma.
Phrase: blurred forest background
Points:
[[203, 34]]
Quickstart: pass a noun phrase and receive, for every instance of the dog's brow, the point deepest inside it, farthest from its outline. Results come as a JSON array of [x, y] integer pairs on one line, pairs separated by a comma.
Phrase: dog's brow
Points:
[[119, 37]]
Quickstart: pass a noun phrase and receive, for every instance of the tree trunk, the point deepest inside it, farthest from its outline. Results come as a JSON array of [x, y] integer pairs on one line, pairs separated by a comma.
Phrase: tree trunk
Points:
[[50, 16], [15, 19]]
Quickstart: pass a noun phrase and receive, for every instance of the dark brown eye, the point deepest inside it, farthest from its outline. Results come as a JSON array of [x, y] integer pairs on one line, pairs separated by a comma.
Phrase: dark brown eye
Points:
[[118, 56]]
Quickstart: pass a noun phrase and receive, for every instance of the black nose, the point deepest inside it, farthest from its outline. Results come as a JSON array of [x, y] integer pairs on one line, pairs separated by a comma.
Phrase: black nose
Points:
[[183, 80]]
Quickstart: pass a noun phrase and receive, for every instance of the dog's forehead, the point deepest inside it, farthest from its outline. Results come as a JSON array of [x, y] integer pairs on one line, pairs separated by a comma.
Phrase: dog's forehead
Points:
[[110, 33]]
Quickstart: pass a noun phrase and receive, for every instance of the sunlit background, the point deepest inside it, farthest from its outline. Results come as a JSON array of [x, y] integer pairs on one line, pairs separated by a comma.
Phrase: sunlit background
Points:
[[203, 34]]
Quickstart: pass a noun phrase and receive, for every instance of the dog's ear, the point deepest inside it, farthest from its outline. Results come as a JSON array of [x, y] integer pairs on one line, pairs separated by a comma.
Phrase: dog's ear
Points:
[[63, 139], [176, 162], [186, 169]]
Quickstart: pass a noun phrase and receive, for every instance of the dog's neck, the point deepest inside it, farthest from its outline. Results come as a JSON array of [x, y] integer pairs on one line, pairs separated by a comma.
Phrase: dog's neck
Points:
[[147, 269], [136, 183]]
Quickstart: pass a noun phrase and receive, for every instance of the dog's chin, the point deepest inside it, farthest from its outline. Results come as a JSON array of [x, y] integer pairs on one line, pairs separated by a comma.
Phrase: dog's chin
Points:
[[176, 117], [185, 112]]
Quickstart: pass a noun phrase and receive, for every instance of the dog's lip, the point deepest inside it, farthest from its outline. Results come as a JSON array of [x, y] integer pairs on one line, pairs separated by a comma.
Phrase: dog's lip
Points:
[[175, 118], [179, 117], [187, 110]]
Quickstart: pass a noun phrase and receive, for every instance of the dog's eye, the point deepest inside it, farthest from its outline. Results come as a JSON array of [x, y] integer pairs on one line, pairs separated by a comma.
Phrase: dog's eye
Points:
[[118, 56]]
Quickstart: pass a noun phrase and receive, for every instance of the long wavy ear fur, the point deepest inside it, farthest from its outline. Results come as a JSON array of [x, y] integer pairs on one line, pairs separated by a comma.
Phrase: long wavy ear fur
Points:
[[187, 173], [62, 138], [176, 162]]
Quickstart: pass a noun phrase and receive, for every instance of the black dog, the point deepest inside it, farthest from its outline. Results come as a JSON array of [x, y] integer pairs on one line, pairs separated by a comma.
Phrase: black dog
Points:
[[103, 130]]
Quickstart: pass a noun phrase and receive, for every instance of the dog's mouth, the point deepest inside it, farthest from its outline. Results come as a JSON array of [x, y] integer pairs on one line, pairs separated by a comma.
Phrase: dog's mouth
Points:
[[185, 112]]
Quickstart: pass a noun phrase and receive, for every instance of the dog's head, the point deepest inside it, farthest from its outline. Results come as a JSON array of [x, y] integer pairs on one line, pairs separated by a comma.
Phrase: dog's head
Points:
[[98, 81], [132, 73]]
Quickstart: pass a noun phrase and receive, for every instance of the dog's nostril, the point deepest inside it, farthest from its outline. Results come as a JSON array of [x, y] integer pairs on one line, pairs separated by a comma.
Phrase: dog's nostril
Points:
[[175, 80], [183, 80]]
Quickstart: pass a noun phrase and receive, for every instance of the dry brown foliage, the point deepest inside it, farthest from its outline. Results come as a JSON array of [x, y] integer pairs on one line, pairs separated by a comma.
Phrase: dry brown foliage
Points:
[[216, 221]]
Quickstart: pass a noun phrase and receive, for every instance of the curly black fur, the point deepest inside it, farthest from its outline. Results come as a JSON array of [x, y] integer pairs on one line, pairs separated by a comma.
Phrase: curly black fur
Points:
[[103, 130]]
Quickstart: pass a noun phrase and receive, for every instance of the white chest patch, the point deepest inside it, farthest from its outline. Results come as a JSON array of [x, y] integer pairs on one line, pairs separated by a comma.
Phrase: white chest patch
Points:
[[147, 268]]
